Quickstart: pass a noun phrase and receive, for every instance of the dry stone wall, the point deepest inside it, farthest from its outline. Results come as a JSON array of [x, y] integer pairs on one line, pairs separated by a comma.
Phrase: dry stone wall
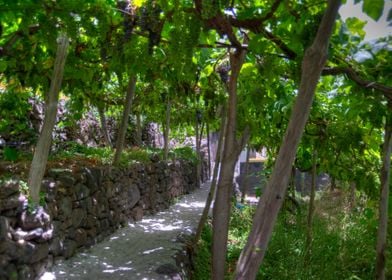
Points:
[[82, 206]]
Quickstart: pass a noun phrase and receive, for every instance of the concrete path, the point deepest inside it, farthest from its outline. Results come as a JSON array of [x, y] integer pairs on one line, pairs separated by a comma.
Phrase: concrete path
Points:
[[137, 251]]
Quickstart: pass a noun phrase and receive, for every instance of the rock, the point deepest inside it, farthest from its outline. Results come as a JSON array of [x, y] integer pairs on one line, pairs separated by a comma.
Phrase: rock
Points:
[[93, 178], [78, 217], [10, 271], [9, 188], [92, 232], [69, 248], [91, 221], [133, 196], [66, 179], [137, 213], [9, 203], [80, 177], [38, 218], [65, 206], [103, 225], [56, 247], [57, 172], [25, 272], [81, 191], [170, 270], [80, 237], [86, 204], [39, 268], [32, 252]]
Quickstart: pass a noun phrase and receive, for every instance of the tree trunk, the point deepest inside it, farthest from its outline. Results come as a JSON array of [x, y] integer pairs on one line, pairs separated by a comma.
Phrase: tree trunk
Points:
[[293, 182], [124, 121], [211, 193], [41, 153], [246, 171], [333, 184], [138, 130], [272, 198], [221, 211], [208, 150], [201, 133], [104, 127], [197, 142], [384, 196], [166, 131], [309, 234]]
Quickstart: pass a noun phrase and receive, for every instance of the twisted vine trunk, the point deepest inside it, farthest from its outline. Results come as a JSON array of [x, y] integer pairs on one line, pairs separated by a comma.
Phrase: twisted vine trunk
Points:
[[208, 149], [166, 130], [211, 193], [232, 149], [139, 140], [41, 153], [271, 201], [104, 127], [197, 142], [124, 121], [384, 197]]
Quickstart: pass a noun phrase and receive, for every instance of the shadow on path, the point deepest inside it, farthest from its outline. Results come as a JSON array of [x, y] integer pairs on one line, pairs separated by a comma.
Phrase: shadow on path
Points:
[[138, 250]]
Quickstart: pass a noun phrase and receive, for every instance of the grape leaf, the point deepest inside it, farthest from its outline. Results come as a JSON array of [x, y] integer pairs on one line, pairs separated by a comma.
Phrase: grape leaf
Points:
[[373, 8]]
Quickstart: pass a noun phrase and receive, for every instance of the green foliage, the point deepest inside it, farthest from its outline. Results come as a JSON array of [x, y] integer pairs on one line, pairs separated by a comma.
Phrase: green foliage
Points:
[[184, 153], [104, 155], [373, 8], [203, 255], [10, 154], [14, 116], [73, 149], [343, 244]]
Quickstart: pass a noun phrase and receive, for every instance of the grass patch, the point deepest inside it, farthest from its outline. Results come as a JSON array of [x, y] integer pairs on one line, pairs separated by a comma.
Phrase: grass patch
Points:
[[343, 244]]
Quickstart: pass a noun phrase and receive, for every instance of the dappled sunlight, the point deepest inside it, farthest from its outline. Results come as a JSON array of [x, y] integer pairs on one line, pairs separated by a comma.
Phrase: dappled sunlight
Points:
[[192, 205], [136, 251]]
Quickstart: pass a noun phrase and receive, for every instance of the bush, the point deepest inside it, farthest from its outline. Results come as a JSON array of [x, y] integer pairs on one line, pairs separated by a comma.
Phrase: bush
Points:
[[343, 246]]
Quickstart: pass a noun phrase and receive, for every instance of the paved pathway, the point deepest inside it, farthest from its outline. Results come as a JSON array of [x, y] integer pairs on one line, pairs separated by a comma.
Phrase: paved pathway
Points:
[[136, 251]]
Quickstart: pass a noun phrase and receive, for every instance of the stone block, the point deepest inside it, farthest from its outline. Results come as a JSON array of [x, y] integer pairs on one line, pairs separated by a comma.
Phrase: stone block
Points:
[[78, 217], [91, 221], [137, 213], [56, 247], [80, 237], [32, 252], [81, 191], [57, 172], [133, 196], [65, 206], [8, 189], [70, 247], [66, 180], [93, 178], [9, 203]]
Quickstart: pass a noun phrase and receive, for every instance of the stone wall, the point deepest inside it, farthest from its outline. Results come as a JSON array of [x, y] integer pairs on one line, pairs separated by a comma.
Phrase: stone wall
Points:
[[83, 206]]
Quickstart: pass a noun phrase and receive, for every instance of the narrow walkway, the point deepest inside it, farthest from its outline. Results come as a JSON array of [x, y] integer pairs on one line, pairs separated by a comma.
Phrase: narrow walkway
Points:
[[136, 251]]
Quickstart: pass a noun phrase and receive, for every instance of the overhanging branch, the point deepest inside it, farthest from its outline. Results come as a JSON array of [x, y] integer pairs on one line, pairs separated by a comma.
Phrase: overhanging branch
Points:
[[355, 77]]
